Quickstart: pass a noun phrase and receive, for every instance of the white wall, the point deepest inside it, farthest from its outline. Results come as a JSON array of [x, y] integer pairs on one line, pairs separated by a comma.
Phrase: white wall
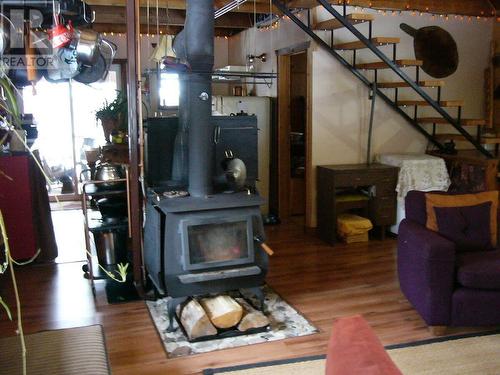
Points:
[[340, 106], [220, 45], [220, 53]]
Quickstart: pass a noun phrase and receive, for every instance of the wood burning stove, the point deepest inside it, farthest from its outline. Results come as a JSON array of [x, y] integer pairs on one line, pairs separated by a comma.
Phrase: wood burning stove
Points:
[[195, 246], [206, 242]]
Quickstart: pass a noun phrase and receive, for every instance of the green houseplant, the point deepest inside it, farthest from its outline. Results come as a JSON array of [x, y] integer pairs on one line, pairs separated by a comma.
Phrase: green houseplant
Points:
[[113, 115]]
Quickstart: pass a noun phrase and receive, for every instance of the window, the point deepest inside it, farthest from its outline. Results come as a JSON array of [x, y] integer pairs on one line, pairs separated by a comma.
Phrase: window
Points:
[[66, 129], [169, 90]]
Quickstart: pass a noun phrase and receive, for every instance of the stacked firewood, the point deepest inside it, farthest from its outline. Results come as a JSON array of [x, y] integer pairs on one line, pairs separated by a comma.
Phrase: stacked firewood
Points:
[[203, 317]]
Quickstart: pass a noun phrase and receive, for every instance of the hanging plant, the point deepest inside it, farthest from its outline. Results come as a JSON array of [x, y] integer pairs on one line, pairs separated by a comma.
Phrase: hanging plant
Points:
[[113, 116]]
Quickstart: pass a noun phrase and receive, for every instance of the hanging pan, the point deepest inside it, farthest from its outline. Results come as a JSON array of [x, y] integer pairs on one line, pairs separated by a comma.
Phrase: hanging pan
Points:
[[94, 73], [436, 48]]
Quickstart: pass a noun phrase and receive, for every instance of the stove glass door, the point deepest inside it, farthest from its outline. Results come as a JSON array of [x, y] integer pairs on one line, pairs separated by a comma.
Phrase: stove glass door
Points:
[[220, 243]]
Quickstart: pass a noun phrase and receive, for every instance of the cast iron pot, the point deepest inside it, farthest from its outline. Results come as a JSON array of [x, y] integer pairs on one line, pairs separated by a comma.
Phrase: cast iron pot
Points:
[[112, 208], [436, 48]]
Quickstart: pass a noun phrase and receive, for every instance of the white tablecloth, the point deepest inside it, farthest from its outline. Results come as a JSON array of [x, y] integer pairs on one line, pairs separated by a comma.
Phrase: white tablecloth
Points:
[[416, 172]]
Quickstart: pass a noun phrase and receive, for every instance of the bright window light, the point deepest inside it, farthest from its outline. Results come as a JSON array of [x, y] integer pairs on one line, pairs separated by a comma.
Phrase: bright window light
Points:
[[169, 90]]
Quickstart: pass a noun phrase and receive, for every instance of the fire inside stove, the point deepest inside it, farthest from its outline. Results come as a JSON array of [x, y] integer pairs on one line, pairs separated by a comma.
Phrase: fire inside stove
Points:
[[216, 244]]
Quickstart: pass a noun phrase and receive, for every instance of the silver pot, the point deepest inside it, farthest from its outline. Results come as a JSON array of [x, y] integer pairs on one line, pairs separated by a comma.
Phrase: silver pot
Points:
[[108, 172], [111, 247], [4, 39], [87, 46]]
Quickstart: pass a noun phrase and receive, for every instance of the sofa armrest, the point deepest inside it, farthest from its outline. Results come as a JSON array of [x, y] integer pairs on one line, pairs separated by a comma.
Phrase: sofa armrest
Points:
[[354, 349], [426, 270]]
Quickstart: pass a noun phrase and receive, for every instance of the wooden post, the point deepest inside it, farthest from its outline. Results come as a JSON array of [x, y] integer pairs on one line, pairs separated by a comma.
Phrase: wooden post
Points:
[[133, 88]]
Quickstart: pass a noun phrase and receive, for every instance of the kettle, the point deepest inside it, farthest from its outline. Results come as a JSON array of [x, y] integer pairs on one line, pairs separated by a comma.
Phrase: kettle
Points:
[[107, 172]]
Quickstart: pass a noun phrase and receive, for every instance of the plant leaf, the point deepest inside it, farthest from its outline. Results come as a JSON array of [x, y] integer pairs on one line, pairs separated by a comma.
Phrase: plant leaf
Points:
[[6, 307]]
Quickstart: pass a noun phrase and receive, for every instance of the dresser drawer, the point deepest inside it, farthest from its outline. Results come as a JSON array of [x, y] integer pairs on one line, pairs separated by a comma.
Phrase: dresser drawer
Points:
[[355, 179]]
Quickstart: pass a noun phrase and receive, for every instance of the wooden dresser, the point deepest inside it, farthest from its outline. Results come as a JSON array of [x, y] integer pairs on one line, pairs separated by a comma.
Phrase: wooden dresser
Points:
[[380, 208]]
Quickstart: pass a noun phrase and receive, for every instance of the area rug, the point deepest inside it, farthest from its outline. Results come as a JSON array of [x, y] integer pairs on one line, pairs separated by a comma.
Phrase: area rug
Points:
[[72, 351], [471, 354], [286, 322]]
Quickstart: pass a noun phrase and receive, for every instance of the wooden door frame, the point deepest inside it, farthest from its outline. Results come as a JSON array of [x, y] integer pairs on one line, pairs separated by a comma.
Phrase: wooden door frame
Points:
[[283, 131]]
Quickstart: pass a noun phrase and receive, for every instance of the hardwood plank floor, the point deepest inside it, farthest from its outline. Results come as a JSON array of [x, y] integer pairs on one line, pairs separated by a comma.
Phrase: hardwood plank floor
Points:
[[321, 281]]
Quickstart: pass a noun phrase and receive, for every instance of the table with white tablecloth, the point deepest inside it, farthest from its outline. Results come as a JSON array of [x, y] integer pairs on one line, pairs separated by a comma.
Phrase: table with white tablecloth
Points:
[[416, 172]]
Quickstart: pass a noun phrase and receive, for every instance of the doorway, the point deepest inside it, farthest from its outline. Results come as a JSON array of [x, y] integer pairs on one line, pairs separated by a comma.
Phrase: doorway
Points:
[[65, 117], [293, 140]]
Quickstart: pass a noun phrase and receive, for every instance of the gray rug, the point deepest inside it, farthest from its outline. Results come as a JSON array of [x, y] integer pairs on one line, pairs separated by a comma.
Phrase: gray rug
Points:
[[286, 322], [72, 351]]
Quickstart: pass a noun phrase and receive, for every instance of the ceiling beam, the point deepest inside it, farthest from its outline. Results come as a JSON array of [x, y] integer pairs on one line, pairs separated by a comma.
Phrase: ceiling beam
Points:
[[261, 6], [116, 15], [461, 7], [118, 28]]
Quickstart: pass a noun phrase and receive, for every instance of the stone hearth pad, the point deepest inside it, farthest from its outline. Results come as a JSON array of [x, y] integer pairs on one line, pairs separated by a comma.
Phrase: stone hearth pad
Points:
[[286, 322]]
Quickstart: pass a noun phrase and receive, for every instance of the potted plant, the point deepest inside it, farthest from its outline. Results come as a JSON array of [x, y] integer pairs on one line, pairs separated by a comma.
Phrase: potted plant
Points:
[[113, 116], [10, 118]]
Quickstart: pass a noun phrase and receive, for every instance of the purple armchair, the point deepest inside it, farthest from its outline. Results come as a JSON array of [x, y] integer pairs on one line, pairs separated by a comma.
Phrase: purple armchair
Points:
[[447, 287]]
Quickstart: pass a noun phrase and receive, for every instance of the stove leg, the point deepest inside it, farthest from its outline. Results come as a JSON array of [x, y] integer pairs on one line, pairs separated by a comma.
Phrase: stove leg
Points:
[[171, 307], [259, 294]]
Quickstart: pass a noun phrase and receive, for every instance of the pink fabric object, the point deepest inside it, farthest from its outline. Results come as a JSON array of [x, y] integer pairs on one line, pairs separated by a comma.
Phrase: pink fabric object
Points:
[[354, 349]]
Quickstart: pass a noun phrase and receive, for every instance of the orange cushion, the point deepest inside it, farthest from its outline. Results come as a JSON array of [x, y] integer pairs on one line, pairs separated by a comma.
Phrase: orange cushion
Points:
[[462, 200], [354, 349]]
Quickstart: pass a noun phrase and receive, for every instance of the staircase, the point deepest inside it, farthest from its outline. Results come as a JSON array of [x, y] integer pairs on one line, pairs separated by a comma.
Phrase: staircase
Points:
[[390, 91]]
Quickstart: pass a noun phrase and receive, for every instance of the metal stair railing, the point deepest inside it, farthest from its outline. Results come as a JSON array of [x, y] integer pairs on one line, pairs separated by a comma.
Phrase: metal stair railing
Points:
[[412, 84]]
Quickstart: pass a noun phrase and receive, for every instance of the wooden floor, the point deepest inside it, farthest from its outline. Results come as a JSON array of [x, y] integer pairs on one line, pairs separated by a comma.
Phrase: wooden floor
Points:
[[321, 281]]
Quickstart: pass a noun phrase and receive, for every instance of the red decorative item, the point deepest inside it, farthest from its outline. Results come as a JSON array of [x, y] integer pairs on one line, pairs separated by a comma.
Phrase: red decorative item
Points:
[[25, 207], [61, 35]]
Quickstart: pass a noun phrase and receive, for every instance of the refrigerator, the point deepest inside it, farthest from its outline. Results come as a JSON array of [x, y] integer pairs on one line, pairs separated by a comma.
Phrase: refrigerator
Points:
[[260, 106]]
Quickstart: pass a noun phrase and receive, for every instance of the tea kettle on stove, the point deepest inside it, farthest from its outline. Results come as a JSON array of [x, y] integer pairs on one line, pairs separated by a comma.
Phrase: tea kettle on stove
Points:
[[235, 171]]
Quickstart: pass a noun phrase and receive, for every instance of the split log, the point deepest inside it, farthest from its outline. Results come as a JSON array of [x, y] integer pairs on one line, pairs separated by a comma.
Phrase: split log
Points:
[[195, 321], [252, 318], [223, 311]]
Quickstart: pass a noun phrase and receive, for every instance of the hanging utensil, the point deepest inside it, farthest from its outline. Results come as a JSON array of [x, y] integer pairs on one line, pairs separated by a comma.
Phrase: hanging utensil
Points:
[[436, 48], [85, 15], [65, 65], [94, 73], [86, 43]]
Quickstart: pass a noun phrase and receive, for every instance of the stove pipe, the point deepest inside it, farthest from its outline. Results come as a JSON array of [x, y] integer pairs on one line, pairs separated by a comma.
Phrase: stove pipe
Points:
[[195, 44]]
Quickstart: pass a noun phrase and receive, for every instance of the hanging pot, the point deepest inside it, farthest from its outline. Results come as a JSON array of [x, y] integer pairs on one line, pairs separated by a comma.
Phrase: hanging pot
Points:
[[4, 39], [94, 73], [64, 67], [87, 46], [436, 48]]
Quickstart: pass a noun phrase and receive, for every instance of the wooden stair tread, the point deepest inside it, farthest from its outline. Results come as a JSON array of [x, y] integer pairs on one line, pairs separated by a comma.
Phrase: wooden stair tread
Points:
[[459, 137], [463, 122], [397, 84], [423, 103], [490, 140], [358, 44], [334, 24], [383, 65]]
